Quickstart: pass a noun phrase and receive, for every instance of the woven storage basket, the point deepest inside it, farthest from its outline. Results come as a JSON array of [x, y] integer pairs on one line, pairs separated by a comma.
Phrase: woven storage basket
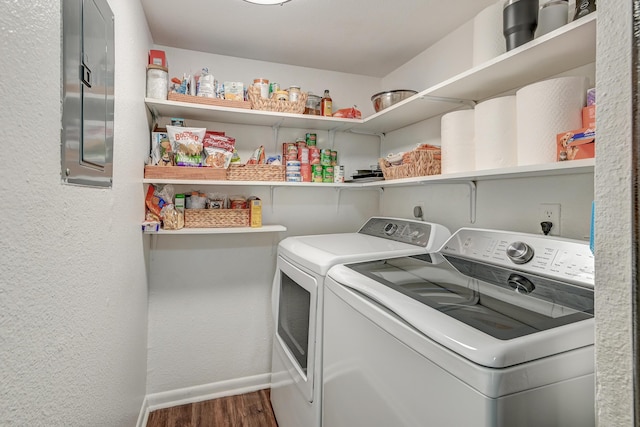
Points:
[[217, 102], [212, 218], [419, 162], [255, 172], [260, 103]]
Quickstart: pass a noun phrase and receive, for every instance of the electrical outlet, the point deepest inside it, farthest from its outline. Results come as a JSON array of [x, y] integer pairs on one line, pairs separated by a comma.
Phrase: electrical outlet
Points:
[[550, 212], [419, 207]]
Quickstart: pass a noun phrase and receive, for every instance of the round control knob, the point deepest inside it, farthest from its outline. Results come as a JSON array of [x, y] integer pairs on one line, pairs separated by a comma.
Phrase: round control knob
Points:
[[520, 284], [520, 252], [390, 228]]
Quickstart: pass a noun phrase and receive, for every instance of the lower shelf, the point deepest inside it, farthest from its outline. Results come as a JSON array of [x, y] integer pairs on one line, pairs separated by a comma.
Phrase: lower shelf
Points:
[[223, 230]]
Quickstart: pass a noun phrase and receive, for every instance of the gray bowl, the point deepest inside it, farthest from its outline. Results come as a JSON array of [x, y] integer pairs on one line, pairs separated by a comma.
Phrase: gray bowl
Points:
[[386, 99]]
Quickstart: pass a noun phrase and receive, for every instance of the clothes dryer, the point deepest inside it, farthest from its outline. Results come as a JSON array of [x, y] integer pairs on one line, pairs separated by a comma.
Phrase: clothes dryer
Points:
[[298, 296]]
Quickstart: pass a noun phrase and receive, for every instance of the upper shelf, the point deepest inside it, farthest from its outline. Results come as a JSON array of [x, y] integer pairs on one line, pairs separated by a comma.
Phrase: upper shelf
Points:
[[564, 49], [212, 113]]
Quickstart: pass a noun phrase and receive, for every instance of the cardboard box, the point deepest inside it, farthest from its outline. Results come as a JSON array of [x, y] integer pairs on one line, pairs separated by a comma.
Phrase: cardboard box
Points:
[[576, 144], [157, 57], [255, 212], [589, 117], [160, 136], [179, 202], [591, 96], [150, 226], [234, 91]]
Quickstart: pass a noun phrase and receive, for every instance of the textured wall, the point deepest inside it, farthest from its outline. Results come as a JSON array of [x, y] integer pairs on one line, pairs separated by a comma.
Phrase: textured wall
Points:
[[614, 363], [72, 271]]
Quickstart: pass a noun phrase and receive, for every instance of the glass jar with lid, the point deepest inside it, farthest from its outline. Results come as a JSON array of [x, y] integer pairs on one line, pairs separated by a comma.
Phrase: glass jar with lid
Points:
[[294, 93], [313, 104]]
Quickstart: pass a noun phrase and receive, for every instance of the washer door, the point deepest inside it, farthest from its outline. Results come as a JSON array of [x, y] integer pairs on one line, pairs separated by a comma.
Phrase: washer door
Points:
[[295, 301]]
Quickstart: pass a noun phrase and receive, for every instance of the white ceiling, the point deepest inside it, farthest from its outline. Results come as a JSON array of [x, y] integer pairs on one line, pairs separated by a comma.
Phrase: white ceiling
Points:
[[368, 37]]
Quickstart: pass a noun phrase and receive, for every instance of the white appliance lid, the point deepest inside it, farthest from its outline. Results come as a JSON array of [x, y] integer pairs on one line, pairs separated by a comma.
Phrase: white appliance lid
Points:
[[320, 252], [379, 237], [459, 337]]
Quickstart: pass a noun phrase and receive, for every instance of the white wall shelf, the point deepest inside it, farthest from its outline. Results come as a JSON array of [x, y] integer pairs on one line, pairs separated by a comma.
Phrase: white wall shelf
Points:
[[222, 230], [241, 116], [584, 166], [568, 47]]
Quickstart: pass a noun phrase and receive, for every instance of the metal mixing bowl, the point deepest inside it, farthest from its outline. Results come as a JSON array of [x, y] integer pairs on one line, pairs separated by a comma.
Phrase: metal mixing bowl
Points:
[[386, 99]]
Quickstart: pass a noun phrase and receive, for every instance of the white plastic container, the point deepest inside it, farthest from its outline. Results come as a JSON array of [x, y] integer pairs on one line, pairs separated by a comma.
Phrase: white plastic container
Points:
[[157, 82]]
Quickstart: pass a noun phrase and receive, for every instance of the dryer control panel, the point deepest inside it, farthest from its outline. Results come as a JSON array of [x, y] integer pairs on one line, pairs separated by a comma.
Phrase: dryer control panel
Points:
[[557, 258], [400, 230]]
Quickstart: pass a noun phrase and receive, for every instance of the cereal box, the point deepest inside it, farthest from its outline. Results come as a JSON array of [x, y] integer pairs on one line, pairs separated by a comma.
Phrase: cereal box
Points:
[[576, 144]]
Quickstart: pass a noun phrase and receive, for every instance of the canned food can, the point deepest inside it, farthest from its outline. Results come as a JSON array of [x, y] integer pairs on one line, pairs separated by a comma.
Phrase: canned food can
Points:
[[316, 173], [303, 155], [314, 155], [311, 139], [305, 172], [338, 173], [291, 151], [334, 158], [293, 177], [325, 157], [327, 173]]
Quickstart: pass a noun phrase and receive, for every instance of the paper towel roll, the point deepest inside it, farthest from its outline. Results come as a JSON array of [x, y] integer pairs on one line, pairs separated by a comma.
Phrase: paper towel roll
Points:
[[496, 133], [545, 109], [488, 39], [457, 146]]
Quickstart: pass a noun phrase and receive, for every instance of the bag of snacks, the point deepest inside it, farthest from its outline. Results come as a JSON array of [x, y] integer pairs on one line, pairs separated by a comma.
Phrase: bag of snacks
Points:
[[187, 144]]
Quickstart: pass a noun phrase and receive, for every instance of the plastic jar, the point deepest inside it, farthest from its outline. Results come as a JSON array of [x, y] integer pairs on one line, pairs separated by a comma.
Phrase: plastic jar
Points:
[[281, 95], [263, 85], [157, 82]]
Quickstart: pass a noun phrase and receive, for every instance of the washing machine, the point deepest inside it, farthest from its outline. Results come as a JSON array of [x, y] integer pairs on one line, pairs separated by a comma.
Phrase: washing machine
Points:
[[496, 329], [297, 301]]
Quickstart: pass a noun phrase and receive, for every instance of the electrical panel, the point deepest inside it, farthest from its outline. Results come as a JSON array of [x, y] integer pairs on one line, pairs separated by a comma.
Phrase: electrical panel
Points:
[[88, 63]]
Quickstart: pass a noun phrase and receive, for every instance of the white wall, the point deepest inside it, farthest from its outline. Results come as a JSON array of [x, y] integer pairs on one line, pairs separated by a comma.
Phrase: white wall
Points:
[[444, 59], [615, 273], [73, 282]]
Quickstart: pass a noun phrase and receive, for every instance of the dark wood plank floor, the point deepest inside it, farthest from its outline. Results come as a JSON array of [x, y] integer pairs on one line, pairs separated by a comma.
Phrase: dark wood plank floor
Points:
[[245, 410]]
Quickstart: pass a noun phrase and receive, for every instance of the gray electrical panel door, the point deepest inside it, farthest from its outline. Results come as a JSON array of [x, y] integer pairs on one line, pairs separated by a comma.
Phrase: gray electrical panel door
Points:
[[88, 63]]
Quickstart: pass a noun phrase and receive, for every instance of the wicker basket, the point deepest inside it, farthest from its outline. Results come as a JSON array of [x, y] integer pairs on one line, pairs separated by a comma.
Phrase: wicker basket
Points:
[[255, 172], [212, 218], [260, 103], [422, 161], [216, 102]]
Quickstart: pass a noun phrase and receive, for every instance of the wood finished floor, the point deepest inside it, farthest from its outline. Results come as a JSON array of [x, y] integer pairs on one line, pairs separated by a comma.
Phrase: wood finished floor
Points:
[[245, 410]]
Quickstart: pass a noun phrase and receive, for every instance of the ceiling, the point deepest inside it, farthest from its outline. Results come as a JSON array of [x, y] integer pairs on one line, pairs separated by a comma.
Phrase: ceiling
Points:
[[367, 37]]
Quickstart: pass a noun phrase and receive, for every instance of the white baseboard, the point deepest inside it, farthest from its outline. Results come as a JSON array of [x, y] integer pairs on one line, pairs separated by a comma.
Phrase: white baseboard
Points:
[[144, 413], [200, 393]]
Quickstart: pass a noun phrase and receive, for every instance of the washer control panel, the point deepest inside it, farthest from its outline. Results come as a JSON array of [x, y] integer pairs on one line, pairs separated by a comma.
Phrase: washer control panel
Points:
[[557, 258]]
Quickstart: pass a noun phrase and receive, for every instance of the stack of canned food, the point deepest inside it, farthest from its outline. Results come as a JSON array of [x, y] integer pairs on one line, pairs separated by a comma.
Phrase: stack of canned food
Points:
[[305, 162]]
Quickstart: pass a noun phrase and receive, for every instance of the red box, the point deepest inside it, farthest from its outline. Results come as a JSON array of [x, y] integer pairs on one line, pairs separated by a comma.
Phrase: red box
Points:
[[576, 144], [589, 116], [157, 57]]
